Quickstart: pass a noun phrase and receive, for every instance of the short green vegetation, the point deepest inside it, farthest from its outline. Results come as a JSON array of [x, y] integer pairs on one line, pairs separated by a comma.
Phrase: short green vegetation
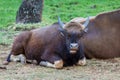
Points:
[[66, 9]]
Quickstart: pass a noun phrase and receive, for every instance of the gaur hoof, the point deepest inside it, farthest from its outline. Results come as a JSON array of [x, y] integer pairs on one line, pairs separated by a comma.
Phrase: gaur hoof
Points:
[[5, 63], [58, 64], [82, 62]]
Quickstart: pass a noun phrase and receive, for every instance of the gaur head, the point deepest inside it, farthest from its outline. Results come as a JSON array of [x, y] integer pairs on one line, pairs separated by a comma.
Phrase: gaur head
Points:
[[73, 31]]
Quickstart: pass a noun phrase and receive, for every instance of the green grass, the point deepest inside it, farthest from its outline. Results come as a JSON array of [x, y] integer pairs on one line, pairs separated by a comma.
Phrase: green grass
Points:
[[8, 10], [6, 37], [67, 9]]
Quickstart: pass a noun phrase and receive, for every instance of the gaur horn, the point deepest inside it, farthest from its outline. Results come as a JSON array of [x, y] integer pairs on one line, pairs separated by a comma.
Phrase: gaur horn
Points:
[[84, 26], [60, 23]]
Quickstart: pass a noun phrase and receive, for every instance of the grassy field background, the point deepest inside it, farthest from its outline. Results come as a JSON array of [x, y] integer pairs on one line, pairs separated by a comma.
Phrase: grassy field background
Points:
[[67, 10]]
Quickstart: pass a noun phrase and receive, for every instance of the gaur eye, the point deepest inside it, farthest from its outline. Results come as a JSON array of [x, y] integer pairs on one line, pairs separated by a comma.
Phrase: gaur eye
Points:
[[78, 35], [81, 30], [81, 34], [69, 35]]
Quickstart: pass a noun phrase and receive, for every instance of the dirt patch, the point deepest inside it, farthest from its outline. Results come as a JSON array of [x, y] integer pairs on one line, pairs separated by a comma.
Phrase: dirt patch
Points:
[[94, 70]]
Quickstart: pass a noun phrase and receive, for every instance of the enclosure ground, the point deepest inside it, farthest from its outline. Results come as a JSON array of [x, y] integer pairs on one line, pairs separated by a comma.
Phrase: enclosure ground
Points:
[[94, 70]]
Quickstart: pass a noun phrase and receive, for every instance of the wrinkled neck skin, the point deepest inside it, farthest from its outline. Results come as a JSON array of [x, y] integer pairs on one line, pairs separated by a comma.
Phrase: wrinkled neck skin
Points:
[[79, 55], [81, 50], [71, 59]]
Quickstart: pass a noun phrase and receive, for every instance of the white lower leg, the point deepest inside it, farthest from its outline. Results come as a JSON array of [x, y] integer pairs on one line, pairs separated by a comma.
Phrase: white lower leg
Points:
[[15, 58], [20, 58], [57, 64], [31, 61], [47, 64], [82, 62]]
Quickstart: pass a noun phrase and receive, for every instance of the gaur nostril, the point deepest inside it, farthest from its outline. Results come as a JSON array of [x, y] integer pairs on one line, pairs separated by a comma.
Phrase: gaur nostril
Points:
[[73, 45], [76, 45]]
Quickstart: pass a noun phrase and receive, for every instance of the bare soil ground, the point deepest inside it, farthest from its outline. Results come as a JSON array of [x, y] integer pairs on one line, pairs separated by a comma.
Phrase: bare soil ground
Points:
[[94, 70]]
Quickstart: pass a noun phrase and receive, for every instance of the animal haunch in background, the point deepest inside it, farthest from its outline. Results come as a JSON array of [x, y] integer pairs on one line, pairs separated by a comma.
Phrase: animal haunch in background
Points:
[[102, 40]]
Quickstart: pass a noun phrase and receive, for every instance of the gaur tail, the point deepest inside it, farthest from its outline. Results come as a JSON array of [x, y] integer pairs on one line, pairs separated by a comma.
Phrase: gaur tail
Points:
[[9, 58], [6, 62]]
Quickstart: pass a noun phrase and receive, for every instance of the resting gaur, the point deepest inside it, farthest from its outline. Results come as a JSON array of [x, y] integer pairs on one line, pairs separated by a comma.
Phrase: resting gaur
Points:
[[53, 46]]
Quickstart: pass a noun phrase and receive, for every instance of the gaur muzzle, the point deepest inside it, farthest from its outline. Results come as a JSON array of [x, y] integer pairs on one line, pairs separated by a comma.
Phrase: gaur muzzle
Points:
[[73, 47]]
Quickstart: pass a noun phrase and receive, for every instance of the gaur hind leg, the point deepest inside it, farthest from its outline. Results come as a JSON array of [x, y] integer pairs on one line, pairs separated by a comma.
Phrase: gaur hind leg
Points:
[[53, 61], [19, 58]]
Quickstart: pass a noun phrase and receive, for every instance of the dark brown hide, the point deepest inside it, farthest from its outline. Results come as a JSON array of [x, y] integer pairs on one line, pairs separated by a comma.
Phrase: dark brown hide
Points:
[[103, 38], [20, 43], [39, 44]]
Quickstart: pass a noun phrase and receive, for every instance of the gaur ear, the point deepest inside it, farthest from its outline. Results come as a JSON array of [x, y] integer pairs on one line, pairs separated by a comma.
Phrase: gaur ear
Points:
[[85, 25], [62, 31]]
